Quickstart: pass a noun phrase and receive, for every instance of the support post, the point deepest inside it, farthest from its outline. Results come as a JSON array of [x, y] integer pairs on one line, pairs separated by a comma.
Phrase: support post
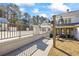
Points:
[[54, 31]]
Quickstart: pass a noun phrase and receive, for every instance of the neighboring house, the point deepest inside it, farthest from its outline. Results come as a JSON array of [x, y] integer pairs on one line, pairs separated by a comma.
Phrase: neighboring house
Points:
[[69, 17], [45, 26], [3, 24], [70, 24], [9, 11]]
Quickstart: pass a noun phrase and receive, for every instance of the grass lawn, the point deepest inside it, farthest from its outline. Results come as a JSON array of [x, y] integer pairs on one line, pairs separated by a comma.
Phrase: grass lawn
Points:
[[65, 47]]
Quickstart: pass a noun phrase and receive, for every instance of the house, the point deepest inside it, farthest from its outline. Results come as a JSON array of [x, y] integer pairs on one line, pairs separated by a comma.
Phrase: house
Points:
[[45, 27], [9, 11], [70, 26]]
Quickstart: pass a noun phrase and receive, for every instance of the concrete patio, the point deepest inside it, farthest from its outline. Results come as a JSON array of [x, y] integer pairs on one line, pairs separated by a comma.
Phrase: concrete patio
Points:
[[39, 47]]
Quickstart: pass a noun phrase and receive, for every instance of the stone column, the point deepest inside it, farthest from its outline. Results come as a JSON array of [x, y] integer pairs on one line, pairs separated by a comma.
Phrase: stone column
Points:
[[36, 29]]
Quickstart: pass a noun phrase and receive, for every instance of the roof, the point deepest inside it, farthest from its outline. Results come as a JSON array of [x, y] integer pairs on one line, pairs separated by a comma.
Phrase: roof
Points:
[[71, 14], [70, 25], [3, 20]]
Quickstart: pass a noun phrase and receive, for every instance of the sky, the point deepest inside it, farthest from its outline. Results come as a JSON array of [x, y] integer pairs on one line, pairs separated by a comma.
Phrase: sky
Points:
[[47, 9]]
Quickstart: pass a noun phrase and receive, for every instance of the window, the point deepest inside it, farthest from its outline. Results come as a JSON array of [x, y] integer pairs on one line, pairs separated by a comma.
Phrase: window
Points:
[[0, 13], [65, 21], [0, 24], [69, 20]]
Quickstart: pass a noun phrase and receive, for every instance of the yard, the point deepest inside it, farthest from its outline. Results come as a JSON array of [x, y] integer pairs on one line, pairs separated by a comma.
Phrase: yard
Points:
[[65, 47]]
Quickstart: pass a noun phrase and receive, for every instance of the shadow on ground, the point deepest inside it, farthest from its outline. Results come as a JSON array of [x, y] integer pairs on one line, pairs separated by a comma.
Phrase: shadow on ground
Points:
[[39, 44], [63, 51]]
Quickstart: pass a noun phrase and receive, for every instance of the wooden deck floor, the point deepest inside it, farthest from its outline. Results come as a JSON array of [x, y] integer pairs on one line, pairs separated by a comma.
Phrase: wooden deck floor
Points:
[[65, 47]]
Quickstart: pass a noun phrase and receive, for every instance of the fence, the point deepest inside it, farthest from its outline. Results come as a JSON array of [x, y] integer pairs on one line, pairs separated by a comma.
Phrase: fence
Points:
[[9, 30], [12, 30]]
